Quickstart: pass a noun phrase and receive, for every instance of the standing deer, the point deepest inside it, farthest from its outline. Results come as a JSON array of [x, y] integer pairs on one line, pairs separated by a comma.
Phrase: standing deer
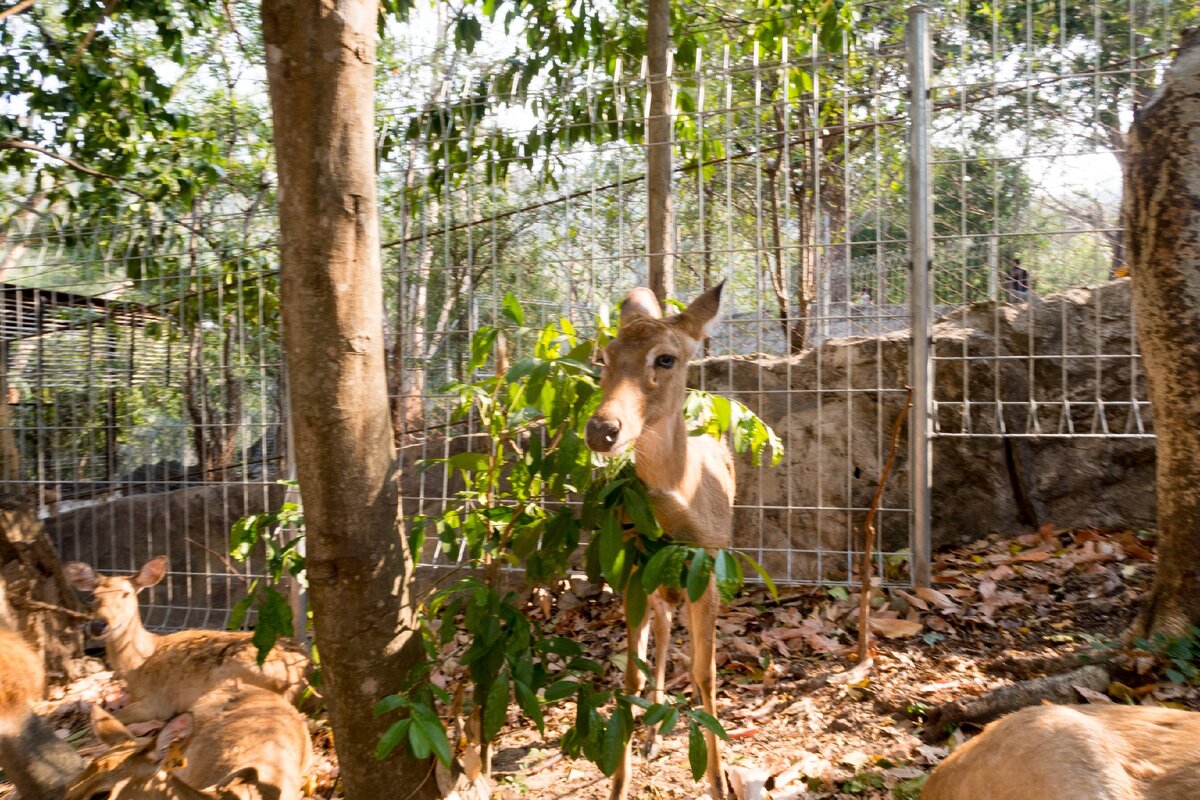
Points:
[[165, 675], [238, 742], [690, 480], [1106, 752]]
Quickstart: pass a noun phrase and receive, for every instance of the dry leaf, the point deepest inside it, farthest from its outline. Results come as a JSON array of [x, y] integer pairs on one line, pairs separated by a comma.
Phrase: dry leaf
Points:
[[895, 628], [748, 783], [936, 598]]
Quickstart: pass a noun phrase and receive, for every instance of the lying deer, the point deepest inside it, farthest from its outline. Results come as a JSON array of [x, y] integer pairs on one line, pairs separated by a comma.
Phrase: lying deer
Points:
[[690, 481], [167, 674], [34, 759], [237, 742], [1103, 752]]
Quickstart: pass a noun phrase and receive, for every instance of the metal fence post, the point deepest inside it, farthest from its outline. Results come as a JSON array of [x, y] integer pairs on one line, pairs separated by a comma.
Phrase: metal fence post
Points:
[[920, 301]]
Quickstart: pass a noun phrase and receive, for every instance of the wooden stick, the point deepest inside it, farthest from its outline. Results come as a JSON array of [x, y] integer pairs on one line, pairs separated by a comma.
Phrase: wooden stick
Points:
[[864, 568]]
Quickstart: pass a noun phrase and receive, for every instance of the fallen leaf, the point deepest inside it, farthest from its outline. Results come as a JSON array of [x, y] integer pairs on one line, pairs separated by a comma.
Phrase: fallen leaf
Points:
[[856, 759], [1092, 696], [748, 783], [895, 628]]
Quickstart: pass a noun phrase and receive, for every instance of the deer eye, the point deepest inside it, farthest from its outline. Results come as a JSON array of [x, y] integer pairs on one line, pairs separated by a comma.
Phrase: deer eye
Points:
[[666, 361]]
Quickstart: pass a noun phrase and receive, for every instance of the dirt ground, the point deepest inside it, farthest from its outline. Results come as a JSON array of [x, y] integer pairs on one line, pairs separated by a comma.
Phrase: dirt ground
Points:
[[1002, 610]]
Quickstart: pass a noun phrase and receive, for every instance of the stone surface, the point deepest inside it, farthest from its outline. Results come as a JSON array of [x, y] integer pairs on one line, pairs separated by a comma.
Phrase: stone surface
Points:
[[836, 421]]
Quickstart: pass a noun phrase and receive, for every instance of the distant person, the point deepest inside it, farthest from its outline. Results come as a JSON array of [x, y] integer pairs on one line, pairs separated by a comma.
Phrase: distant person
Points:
[[864, 297], [1017, 282]]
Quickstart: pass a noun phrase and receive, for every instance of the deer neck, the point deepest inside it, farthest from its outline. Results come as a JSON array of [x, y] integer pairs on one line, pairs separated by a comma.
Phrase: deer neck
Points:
[[128, 646], [662, 455]]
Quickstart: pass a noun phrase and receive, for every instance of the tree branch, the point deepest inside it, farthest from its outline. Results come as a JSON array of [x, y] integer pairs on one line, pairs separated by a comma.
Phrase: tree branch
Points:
[[17, 9]]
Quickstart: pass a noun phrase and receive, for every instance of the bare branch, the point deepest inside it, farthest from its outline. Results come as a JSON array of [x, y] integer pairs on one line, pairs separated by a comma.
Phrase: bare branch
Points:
[[17, 9]]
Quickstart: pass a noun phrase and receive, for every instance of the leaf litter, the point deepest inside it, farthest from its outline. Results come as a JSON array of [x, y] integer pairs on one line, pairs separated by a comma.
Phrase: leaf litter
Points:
[[1001, 610]]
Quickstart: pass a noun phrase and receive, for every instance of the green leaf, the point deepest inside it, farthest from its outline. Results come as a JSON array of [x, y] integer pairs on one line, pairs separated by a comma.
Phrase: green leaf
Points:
[[612, 550], [511, 308], [434, 732], [528, 701], [729, 574], [561, 690], [482, 344], [669, 721], [661, 564], [418, 741], [615, 737], [697, 751], [709, 721], [392, 737], [469, 461], [390, 703], [635, 602], [699, 574], [495, 709], [762, 573]]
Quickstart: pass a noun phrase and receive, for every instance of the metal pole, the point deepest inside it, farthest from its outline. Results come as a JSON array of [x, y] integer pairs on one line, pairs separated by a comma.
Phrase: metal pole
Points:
[[920, 204]]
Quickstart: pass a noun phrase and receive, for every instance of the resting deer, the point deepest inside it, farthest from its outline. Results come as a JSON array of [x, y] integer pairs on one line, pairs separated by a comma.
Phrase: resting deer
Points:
[[1104, 752], [34, 759], [165, 675], [237, 742], [690, 481]]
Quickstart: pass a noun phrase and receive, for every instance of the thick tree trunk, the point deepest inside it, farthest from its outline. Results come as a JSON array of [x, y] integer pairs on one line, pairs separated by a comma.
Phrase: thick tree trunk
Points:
[[35, 589], [1161, 212], [321, 70], [660, 214]]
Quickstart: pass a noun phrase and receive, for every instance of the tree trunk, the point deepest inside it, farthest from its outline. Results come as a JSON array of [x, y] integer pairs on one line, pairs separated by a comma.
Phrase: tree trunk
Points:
[[321, 71], [1161, 212], [34, 587], [660, 215]]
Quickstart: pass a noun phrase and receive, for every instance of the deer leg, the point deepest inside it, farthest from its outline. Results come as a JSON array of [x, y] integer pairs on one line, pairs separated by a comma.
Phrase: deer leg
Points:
[[702, 626], [635, 650], [660, 623]]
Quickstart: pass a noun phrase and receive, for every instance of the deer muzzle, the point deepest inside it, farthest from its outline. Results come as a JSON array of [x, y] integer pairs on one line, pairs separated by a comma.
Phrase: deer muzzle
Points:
[[602, 433]]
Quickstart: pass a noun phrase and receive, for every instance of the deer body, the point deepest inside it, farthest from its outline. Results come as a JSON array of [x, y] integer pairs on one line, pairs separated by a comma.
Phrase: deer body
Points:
[[167, 674], [690, 480], [1104, 752], [21, 681], [238, 741]]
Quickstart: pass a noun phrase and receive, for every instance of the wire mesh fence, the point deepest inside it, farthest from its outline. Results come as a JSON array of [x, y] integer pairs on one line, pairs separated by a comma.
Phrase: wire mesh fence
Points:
[[143, 369]]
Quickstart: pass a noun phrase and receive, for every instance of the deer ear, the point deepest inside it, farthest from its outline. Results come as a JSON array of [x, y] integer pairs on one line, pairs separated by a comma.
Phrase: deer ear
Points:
[[81, 577], [639, 304], [108, 728], [151, 572], [699, 319], [178, 729]]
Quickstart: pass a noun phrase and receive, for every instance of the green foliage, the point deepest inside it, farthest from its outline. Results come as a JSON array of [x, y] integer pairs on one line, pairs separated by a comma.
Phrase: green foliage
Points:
[[513, 511], [274, 613], [1177, 656]]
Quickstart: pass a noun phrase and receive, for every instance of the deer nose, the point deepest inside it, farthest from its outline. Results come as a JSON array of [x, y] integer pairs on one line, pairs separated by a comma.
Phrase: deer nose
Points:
[[602, 433]]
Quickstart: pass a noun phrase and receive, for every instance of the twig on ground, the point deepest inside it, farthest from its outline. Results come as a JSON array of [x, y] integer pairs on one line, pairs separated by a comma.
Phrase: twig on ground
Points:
[[998, 702], [864, 569]]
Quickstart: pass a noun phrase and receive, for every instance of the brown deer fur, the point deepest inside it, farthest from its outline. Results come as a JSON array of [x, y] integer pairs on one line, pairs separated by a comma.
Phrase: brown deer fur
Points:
[[21, 681], [690, 479], [1103, 752], [237, 742], [167, 674]]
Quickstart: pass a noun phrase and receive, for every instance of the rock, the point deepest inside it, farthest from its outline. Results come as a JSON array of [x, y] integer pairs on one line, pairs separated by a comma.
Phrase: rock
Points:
[[835, 423]]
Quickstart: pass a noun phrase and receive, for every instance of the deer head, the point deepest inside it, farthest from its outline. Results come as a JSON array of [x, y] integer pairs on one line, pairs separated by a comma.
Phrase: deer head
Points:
[[644, 375], [115, 600]]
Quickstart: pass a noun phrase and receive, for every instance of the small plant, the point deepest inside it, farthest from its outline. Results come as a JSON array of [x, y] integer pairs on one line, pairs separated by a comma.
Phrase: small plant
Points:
[[274, 612], [1177, 656]]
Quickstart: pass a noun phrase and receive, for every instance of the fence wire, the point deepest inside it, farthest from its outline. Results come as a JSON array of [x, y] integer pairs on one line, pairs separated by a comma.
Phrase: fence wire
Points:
[[142, 356]]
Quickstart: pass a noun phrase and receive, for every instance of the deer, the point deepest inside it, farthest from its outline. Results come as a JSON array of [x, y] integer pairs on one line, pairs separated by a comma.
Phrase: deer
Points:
[[690, 481], [165, 675], [237, 741], [39, 763], [1052, 752]]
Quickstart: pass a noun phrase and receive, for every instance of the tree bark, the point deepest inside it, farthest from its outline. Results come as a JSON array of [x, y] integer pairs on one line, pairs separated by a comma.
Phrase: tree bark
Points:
[[320, 70], [1161, 212], [33, 586], [660, 214]]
